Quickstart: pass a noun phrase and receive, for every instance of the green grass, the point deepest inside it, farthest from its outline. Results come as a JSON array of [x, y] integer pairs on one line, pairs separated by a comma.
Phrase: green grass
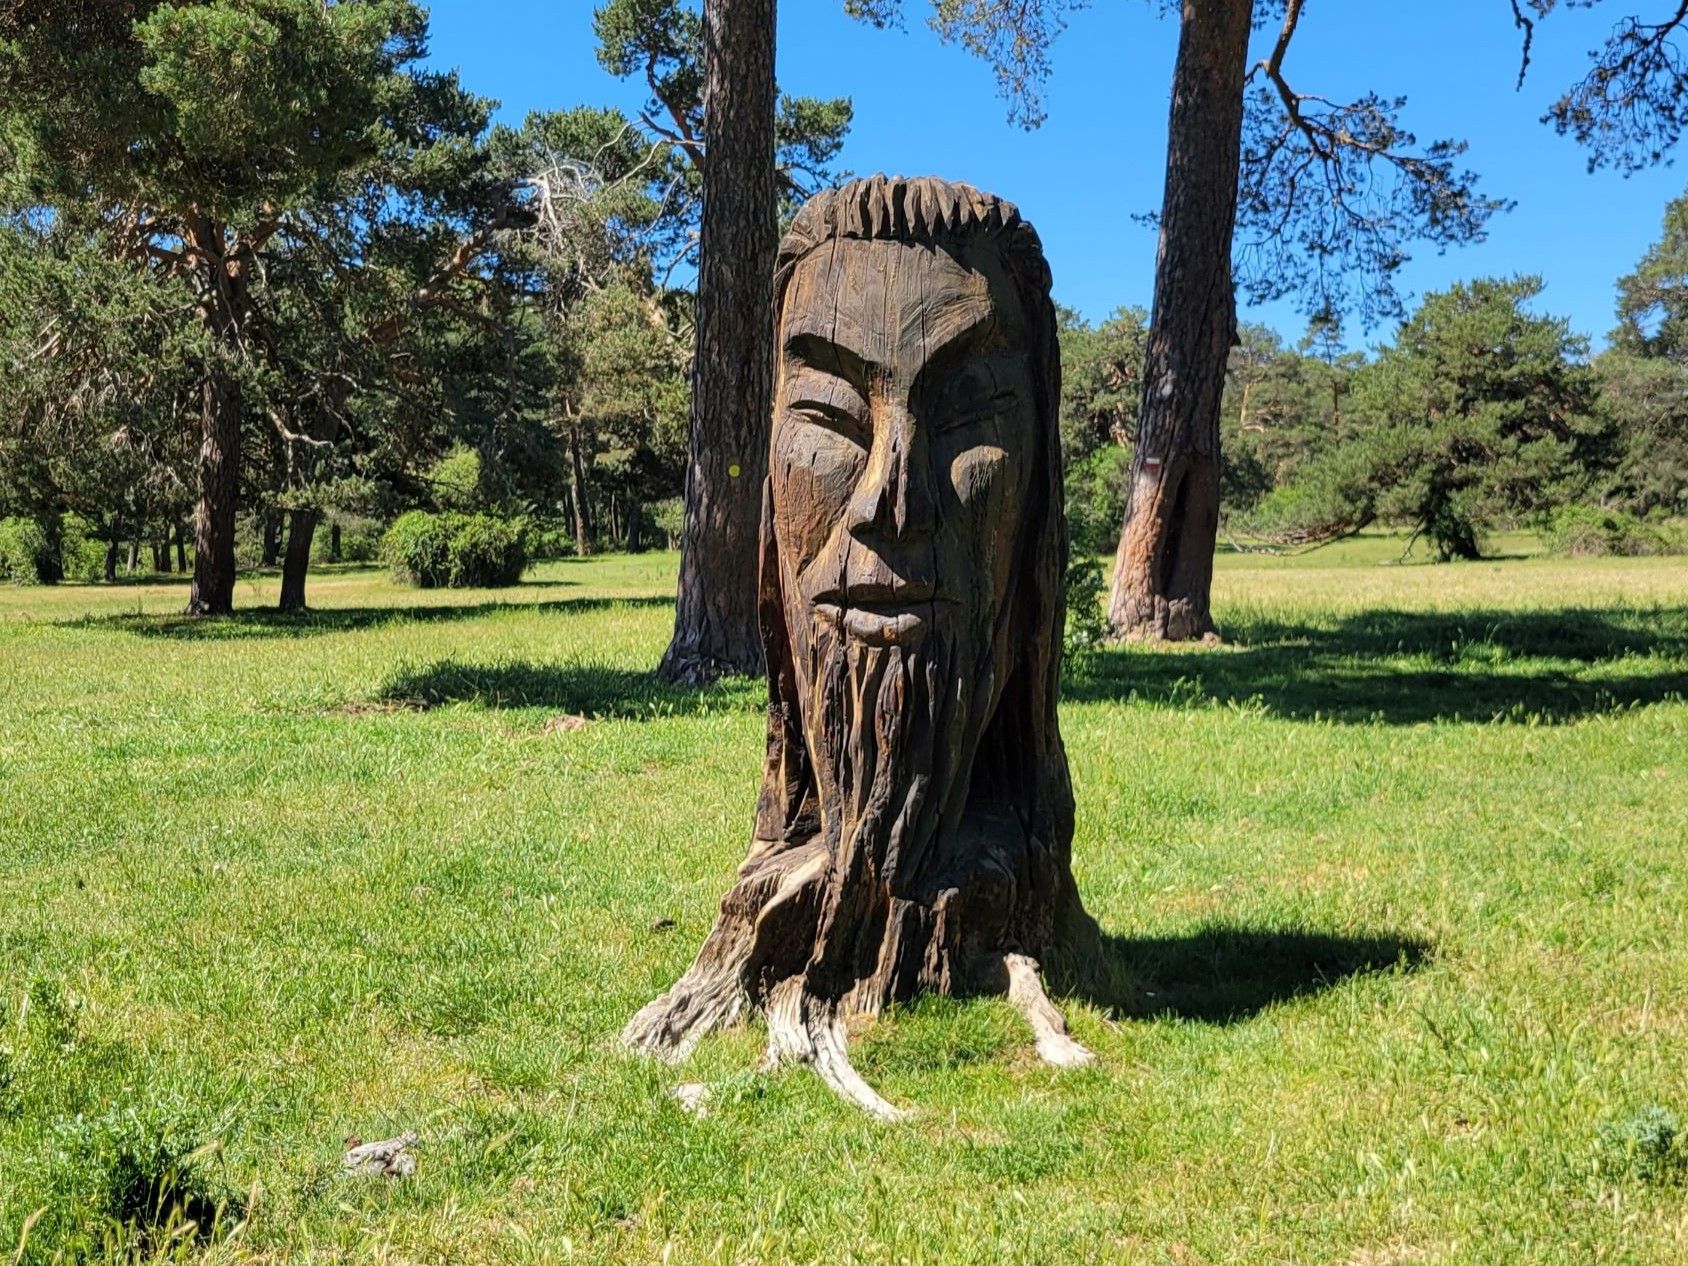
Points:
[[1395, 884]]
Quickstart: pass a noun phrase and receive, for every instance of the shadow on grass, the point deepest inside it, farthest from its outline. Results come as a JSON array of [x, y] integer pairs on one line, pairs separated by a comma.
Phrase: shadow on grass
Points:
[[1222, 975], [1403, 667], [592, 690], [269, 623]]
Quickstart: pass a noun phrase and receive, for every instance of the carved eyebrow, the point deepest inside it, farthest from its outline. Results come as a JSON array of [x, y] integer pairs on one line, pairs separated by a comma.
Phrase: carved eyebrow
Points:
[[957, 329], [819, 352], [959, 342]]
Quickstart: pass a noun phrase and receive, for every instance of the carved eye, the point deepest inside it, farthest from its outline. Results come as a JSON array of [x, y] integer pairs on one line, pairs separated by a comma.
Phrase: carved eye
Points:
[[975, 409], [825, 414]]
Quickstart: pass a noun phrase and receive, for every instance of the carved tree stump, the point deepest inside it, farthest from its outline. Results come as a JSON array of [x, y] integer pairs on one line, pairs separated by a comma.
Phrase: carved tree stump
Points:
[[915, 821]]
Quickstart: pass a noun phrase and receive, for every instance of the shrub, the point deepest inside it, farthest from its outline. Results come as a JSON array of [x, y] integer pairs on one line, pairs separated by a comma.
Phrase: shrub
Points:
[[548, 540], [82, 551], [1588, 531], [26, 557], [486, 552], [418, 549], [464, 551], [1648, 1146], [669, 517], [1097, 488], [360, 540], [356, 546], [1087, 625]]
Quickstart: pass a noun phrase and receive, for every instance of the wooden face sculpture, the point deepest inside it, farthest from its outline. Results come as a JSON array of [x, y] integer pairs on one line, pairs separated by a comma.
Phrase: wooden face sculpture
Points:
[[915, 821], [905, 434]]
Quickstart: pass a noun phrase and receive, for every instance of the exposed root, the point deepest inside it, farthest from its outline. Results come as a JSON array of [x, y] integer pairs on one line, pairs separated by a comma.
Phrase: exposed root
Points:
[[805, 1029], [1025, 992], [756, 918], [670, 1027], [758, 959]]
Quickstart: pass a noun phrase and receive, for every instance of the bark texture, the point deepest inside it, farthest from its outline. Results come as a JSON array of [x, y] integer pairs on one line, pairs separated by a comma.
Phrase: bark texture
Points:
[[715, 628], [915, 822], [223, 302], [271, 554], [301, 529], [1163, 572], [578, 494]]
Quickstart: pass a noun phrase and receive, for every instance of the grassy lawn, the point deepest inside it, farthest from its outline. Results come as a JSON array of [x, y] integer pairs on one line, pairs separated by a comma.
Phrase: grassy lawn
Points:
[[1395, 885]]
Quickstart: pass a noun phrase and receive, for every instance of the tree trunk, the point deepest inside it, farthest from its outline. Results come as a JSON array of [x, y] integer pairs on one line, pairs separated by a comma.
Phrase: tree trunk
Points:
[[578, 495], [334, 542], [1163, 572], [272, 539], [181, 549], [134, 554], [913, 829], [301, 527], [51, 564], [715, 619], [634, 514], [224, 308]]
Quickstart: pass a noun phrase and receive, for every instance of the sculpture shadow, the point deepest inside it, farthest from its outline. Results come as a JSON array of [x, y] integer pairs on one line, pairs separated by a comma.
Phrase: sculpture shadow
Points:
[[592, 690], [1407, 667], [269, 623], [1221, 974]]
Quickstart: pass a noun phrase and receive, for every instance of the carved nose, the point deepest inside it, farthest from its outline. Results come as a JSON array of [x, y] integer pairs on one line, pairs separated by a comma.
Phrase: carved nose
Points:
[[894, 498]]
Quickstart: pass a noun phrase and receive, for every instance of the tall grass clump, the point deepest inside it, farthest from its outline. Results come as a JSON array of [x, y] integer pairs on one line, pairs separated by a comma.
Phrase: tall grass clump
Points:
[[129, 1181]]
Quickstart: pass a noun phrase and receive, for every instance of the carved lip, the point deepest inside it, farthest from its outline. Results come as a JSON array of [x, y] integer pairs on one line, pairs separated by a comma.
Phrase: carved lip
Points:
[[899, 622], [880, 597]]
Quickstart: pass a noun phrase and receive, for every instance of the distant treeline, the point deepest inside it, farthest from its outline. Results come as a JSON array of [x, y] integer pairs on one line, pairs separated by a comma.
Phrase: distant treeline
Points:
[[1480, 414], [389, 304]]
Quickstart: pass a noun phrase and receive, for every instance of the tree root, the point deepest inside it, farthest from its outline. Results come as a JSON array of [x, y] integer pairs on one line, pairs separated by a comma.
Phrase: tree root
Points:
[[1026, 994], [804, 1028]]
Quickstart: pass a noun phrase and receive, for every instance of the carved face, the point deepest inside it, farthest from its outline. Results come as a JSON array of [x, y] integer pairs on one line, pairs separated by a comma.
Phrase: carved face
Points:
[[904, 434]]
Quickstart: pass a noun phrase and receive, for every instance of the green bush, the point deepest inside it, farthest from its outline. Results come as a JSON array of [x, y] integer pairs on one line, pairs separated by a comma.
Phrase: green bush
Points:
[[486, 552], [1087, 623], [418, 549], [456, 480], [548, 540], [1096, 494], [669, 517], [360, 540], [463, 551], [1649, 1146], [1589, 531], [82, 551], [26, 557], [355, 546]]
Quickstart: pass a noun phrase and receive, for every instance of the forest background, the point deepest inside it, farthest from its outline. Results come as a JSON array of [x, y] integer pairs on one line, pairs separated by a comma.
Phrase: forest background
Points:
[[468, 313]]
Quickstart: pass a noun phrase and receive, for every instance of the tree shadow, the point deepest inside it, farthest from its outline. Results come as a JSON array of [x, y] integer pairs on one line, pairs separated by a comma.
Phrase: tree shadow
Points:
[[1221, 974], [592, 690], [1406, 667], [269, 623]]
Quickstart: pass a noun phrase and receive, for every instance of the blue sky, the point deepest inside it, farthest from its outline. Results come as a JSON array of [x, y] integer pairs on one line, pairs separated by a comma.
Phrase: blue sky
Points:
[[922, 107]]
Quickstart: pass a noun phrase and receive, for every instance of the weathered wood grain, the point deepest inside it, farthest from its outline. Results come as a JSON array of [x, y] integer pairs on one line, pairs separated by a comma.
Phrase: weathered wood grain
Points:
[[915, 821]]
